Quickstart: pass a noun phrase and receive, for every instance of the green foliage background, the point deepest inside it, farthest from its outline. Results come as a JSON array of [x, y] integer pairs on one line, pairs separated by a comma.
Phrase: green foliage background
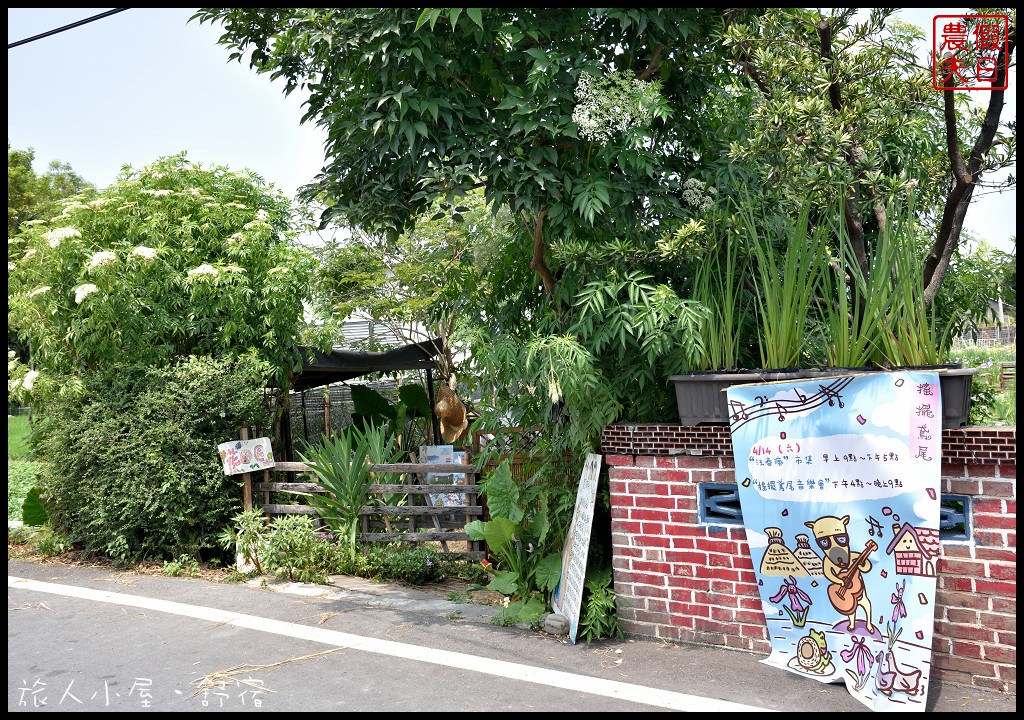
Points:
[[132, 470]]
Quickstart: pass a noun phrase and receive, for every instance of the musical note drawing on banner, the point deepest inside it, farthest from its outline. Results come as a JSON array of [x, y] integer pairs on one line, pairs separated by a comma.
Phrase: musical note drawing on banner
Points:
[[782, 406], [832, 395], [741, 413]]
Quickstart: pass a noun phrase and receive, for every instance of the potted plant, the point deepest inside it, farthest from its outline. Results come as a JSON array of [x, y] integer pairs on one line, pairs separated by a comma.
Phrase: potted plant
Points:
[[783, 304], [718, 288], [786, 292], [880, 319], [875, 318]]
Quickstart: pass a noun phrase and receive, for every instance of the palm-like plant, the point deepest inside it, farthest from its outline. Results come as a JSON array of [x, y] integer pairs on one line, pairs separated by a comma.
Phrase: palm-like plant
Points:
[[383, 448], [342, 467]]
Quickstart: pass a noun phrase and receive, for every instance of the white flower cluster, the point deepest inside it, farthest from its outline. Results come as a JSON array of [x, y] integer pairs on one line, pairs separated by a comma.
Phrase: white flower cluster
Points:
[[71, 208], [55, 236], [30, 379], [611, 104], [146, 253], [158, 193], [698, 195], [39, 291], [84, 291], [101, 259], [237, 237], [262, 215], [204, 269], [98, 203], [236, 206]]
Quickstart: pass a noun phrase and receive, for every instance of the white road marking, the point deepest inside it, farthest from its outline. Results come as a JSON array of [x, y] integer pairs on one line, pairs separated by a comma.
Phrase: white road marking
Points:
[[515, 671]]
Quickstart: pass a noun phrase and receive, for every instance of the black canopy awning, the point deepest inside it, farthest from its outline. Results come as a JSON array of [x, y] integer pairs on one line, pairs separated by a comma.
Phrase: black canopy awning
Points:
[[319, 368]]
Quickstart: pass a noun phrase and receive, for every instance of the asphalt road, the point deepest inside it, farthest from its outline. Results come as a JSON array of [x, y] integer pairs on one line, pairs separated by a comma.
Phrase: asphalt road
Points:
[[98, 640]]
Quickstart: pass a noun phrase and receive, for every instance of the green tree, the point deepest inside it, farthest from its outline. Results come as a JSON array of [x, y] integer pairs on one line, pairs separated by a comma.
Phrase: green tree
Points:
[[979, 287], [174, 259], [582, 124], [560, 114], [420, 285], [34, 197], [834, 102], [37, 197]]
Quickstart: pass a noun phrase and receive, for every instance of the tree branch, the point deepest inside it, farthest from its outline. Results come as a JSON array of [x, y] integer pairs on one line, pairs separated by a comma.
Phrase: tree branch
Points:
[[966, 175], [835, 96], [537, 263], [752, 72], [654, 65]]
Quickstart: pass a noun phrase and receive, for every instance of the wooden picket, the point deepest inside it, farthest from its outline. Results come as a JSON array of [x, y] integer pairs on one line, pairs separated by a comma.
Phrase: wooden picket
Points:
[[422, 523]]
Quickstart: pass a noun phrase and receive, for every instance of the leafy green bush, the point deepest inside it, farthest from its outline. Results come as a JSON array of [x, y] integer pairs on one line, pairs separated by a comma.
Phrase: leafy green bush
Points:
[[22, 476], [599, 616], [37, 540], [183, 565], [990, 404], [398, 562], [132, 469], [526, 565], [293, 547], [296, 550]]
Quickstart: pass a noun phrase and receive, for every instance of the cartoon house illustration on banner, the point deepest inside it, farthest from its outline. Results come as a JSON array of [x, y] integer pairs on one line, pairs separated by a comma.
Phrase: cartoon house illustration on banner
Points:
[[915, 549]]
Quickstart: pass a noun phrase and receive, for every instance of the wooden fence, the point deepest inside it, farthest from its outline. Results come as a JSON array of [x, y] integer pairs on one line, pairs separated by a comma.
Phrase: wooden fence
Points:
[[1007, 374], [414, 521]]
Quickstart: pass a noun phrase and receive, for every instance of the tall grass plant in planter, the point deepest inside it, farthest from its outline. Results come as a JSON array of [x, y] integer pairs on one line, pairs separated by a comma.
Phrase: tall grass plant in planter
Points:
[[718, 286], [856, 304], [786, 283], [879, 319], [875, 318]]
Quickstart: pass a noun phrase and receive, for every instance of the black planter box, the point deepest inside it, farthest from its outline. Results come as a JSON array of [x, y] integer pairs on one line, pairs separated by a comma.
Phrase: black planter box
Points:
[[955, 389], [702, 400]]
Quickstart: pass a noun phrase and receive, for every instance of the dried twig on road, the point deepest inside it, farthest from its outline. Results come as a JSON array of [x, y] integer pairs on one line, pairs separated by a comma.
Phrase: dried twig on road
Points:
[[221, 678]]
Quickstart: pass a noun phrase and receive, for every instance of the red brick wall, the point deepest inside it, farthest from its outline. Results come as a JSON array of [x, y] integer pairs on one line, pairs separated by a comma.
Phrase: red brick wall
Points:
[[682, 580]]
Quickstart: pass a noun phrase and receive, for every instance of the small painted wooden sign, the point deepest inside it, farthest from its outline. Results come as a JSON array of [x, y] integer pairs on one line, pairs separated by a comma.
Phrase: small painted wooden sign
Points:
[[242, 456]]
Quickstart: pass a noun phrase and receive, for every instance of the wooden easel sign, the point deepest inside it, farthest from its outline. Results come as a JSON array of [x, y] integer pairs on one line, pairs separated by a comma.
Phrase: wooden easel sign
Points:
[[568, 594]]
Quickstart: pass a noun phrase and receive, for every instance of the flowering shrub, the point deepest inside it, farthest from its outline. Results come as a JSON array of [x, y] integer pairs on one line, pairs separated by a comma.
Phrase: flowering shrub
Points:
[[613, 104], [174, 259]]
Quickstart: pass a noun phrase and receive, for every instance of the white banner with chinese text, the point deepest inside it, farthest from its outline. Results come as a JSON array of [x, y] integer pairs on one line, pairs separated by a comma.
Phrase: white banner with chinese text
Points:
[[839, 482]]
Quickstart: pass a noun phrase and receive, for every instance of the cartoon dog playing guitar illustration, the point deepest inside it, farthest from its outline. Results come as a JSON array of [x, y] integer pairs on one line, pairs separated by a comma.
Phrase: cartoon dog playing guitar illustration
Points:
[[843, 568]]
